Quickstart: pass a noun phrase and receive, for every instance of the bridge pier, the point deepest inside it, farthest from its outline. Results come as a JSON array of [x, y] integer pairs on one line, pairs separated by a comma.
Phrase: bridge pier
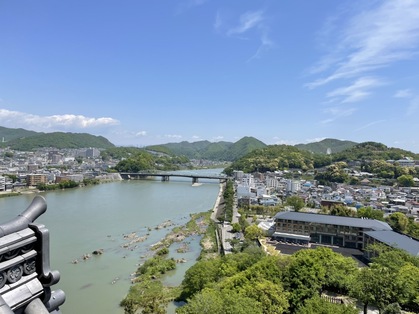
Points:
[[165, 178], [194, 180]]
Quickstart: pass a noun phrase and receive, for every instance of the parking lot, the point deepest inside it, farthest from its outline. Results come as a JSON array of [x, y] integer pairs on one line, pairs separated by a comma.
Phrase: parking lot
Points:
[[291, 248]]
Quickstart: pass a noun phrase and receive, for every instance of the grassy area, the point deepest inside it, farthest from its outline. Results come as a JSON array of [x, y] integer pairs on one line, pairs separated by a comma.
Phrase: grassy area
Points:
[[9, 194]]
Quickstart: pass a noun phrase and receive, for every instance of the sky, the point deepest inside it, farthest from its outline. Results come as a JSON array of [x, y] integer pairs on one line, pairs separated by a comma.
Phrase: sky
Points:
[[144, 72]]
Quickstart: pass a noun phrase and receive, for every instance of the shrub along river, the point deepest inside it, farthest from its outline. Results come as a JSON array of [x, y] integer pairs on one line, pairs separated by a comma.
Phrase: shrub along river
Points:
[[122, 219]]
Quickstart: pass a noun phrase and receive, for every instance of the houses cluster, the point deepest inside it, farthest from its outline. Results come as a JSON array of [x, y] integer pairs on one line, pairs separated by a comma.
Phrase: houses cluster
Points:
[[273, 188], [49, 165], [304, 228]]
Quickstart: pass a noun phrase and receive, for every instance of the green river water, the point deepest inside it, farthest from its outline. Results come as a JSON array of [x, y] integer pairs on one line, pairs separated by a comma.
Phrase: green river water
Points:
[[85, 219]]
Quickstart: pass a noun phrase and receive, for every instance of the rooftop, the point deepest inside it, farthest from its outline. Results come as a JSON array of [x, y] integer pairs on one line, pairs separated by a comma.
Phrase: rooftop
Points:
[[396, 240], [334, 220]]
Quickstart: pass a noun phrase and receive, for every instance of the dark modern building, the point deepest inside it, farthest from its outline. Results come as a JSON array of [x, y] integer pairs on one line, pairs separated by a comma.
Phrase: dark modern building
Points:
[[305, 228], [392, 239]]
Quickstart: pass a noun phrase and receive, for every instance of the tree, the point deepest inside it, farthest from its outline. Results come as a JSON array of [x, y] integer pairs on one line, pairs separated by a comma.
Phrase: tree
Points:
[[199, 276], [341, 210], [253, 232], [393, 308], [148, 296], [303, 278], [296, 202], [206, 302], [378, 285], [212, 301], [271, 296], [236, 227], [8, 154], [404, 270], [369, 212], [320, 306], [363, 287], [405, 180], [408, 277], [398, 221], [311, 271], [334, 173]]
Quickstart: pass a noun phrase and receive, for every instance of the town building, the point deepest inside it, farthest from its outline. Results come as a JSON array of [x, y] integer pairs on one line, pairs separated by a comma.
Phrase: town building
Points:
[[35, 179], [2, 183], [305, 228]]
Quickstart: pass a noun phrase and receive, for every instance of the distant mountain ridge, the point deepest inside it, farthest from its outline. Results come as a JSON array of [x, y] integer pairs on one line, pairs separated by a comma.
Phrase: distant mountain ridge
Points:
[[323, 146], [24, 140], [219, 151], [8, 134]]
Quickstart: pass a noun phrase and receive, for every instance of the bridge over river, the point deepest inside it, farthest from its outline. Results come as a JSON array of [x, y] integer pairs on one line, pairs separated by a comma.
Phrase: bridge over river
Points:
[[165, 176]]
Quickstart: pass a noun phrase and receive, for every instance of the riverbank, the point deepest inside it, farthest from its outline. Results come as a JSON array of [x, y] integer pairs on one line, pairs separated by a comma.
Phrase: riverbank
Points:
[[148, 283], [149, 289]]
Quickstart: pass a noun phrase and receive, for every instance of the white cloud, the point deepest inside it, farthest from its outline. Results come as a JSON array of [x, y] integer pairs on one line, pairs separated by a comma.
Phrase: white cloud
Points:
[[358, 91], [173, 136], [218, 21], [314, 140], [217, 138], [373, 39], [369, 125], [141, 133], [16, 119], [279, 141], [266, 44], [403, 93], [251, 20], [247, 21], [337, 112]]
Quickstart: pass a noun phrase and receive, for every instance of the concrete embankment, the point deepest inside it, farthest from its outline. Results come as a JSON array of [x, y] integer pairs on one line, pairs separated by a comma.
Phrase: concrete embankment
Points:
[[224, 234], [217, 205]]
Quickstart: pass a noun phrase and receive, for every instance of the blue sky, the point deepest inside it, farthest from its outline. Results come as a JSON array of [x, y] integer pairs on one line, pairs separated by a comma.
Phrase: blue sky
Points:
[[149, 72]]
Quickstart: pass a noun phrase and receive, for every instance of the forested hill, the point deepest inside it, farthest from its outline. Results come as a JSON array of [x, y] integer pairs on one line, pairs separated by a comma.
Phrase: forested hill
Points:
[[8, 134], [373, 151], [225, 151], [20, 139], [323, 146], [280, 157]]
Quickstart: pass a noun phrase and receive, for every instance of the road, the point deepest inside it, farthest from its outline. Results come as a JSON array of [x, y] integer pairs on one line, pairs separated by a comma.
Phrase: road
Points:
[[225, 234]]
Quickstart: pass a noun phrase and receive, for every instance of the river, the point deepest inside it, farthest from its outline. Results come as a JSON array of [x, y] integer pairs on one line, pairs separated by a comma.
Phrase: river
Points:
[[85, 219]]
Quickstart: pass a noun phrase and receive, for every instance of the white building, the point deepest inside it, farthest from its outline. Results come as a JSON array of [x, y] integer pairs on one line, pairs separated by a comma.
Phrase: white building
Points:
[[2, 183], [293, 186]]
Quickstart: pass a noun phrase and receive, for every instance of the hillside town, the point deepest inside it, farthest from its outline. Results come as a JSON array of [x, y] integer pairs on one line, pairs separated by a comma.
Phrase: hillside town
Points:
[[272, 188], [27, 169], [21, 170], [306, 227]]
